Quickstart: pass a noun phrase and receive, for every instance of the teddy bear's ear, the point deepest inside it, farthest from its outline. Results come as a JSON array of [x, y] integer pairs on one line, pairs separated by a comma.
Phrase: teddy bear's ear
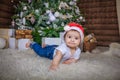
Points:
[[88, 37]]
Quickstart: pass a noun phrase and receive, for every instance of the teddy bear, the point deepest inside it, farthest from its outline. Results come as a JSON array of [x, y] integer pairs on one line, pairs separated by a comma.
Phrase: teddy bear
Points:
[[90, 42]]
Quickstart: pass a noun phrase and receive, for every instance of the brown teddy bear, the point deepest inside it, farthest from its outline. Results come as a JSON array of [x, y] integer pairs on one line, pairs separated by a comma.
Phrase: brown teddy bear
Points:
[[90, 42]]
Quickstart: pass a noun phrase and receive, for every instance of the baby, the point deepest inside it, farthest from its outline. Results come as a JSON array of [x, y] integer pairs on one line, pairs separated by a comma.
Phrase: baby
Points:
[[67, 52]]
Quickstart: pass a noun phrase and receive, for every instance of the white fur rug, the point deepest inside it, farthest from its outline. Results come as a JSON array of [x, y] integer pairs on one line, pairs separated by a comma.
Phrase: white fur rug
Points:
[[101, 64]]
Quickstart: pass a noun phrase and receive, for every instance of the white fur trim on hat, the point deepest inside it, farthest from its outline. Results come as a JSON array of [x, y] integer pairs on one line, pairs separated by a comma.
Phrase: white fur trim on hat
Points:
[[66, 27]]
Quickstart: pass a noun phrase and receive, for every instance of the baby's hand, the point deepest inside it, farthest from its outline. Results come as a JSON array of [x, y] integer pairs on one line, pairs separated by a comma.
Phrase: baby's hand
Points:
[[56, 60], [69, 61], [53, 67]]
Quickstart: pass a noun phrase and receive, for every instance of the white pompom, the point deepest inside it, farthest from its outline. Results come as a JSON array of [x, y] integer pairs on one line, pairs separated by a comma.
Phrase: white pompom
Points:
[[2, 43], [66, 27]]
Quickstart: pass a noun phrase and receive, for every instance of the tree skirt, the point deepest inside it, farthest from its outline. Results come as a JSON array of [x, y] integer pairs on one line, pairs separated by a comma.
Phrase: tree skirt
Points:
[[100, 64]]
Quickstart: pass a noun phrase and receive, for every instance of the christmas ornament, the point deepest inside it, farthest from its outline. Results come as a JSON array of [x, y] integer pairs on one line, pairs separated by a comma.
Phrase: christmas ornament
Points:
[[57, 14], [46, 5], [25, 8], [63, 5], [31, 18], [51, 16]]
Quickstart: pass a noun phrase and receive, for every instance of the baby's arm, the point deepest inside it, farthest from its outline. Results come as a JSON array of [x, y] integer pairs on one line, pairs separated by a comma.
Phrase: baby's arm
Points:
[[71, 60], [56, 60]]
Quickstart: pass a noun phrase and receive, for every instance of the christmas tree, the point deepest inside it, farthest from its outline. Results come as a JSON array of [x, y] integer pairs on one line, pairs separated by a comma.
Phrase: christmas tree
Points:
[[46, 17]]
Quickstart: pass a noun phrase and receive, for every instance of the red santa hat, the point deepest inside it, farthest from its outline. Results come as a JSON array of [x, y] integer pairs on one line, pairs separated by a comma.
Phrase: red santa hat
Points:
[[77, 27]]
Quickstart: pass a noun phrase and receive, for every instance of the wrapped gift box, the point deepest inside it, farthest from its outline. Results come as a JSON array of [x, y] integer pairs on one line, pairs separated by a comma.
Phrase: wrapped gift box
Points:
[[22, 43], [23, 34], [12, 43], [28, 36], [20, 40], [18, 43], [28, 32], [19, 32], [51, 41], [19, 36]]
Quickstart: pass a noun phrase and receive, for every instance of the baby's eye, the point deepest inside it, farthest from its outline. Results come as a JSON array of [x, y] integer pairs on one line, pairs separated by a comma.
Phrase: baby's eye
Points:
[[69, 36], [76, 38]]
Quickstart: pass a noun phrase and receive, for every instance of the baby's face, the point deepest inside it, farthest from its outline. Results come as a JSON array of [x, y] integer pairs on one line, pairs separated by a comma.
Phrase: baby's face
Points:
[[72, 38]]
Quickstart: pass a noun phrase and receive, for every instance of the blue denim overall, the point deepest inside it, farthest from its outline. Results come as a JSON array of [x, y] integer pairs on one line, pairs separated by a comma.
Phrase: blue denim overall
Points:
[[47, 51]]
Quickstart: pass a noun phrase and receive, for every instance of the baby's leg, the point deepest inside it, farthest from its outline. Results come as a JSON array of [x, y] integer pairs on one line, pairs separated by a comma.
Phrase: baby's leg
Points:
[[43, 52], [43, 45], [38, 49]]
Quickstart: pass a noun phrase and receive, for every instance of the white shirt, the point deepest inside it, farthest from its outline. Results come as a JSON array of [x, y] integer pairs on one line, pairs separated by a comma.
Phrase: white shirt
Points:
[[66, 52]]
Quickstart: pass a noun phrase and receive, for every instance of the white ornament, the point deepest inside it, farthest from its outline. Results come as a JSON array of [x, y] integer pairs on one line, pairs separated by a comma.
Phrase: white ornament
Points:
[[25, 8], [46, 5], [51, 16], [62, 24], [47, 11], [71, 3], [63, 5], [77, 10], [37, 11], [81, 18], [2, 43], [57, 14]]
